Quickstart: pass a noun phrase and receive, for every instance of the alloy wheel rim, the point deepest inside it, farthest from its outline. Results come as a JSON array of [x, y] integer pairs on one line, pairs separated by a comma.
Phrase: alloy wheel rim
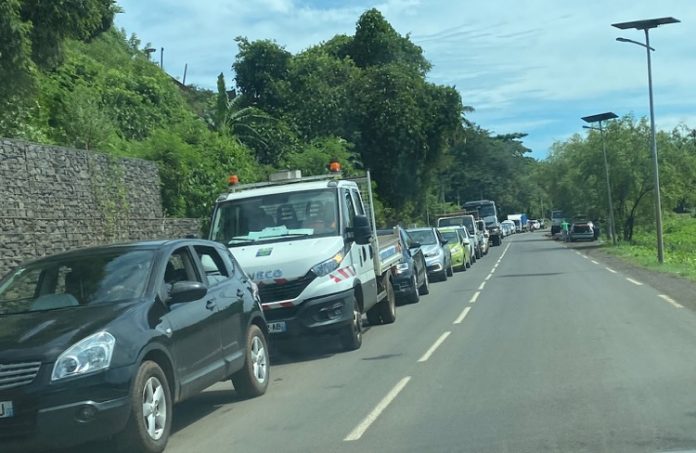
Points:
[[258, 360], [154, 408]]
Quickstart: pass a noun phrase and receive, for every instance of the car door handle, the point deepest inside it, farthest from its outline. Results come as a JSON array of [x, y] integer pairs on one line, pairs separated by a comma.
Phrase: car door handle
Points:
[[210, 305]]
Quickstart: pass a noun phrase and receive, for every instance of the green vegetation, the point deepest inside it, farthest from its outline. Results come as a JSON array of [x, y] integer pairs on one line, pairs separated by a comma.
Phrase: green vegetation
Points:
[[575, 178], [680, 243], [363, 99]]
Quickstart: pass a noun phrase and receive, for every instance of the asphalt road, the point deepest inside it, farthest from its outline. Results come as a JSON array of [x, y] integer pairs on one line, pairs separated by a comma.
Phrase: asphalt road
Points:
[[536, 348]]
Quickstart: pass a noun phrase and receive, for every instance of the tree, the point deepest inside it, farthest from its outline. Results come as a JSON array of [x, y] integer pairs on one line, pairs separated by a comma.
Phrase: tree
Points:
[[376, 43], [54, 21], [261, 68]]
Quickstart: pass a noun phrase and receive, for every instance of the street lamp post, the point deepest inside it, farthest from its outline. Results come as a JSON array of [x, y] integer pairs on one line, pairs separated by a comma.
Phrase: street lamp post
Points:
[[598, 119], [646, 25]]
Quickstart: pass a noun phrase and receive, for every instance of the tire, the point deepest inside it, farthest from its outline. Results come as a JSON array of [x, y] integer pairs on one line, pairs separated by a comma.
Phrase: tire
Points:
[[414, 297], [425, 287], [351, 336], [387, 308], [149, 392], [252, 380], [450, 270], [468, 263], [496, 240]]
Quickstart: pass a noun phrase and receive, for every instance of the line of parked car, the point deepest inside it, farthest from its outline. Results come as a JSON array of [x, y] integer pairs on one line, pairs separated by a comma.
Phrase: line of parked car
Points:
[[102, 342]]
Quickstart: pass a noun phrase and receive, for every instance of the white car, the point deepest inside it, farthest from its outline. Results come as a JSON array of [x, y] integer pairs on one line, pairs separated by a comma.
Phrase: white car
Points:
[[508, 227]]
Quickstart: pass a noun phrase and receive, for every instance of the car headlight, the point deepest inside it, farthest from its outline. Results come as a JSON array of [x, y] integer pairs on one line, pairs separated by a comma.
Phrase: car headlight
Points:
[[328, 266], [401, 268], [87, 356]]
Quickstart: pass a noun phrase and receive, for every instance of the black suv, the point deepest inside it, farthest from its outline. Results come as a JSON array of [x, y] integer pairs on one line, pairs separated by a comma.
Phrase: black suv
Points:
[[102, 342]]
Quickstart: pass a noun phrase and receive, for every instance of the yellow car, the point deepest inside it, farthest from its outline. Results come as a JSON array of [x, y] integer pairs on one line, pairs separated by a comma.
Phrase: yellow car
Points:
[[459, 247]]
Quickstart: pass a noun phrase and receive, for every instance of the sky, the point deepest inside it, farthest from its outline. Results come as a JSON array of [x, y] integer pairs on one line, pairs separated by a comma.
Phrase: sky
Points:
[[532, 66]]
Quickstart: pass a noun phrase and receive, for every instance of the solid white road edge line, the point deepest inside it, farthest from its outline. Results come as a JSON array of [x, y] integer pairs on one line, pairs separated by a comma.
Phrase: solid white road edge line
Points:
[[463, 315], [670, 300], [635, 282], [435, 345], [610, 270], [372, 416], [474, 297]]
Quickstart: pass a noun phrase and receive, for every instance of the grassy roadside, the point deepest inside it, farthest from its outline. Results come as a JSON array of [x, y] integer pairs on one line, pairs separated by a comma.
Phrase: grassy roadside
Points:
[[680, 247]]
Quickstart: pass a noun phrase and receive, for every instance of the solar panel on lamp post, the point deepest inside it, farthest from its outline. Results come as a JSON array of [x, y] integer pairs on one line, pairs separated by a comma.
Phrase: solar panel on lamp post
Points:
[[646, 25], [598, 119]]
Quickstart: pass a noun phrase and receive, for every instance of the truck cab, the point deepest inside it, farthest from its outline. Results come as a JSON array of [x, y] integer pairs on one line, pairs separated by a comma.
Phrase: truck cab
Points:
[[309, 246]]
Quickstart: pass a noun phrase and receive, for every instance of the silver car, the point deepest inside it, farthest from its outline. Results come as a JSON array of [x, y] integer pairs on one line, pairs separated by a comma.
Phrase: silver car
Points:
[[438, 259]]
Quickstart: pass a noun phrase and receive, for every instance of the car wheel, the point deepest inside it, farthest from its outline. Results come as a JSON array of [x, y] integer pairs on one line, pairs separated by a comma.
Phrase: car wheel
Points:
[[425, 287], [450, 270], [150, 418], [351, 337], [387, 308], [252, 380], [414, 297]]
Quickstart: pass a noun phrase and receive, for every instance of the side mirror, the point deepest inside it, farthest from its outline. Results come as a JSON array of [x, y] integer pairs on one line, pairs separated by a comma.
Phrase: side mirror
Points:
[[444, 241], [186, 291], [362, 234], [466, 242], [414, 245]]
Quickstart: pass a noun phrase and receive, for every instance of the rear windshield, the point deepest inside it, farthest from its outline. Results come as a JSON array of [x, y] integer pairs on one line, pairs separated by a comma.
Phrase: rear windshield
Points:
[[76, 281], [582, 228]]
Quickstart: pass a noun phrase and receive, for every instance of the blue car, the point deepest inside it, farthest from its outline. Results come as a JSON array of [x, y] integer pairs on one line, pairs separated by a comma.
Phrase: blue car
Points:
[[411, 278]]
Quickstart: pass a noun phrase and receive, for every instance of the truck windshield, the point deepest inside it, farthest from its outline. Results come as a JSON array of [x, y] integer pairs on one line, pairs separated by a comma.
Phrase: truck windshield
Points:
[[486, 211], [275, 217]]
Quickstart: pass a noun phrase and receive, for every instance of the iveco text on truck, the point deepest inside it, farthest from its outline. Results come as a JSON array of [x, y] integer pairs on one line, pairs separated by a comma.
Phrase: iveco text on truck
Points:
[[310, 245]]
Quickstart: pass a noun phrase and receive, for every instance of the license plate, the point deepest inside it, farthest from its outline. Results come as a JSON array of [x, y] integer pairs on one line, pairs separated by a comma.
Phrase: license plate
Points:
[[277, 327], [6, 409]]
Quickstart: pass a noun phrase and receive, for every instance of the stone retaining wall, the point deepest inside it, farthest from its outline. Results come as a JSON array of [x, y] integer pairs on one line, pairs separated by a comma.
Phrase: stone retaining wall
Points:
[[54, 199]]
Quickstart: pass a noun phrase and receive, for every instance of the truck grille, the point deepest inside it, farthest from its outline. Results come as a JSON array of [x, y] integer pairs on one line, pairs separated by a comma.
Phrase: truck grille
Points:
[[18, 374], [274, 292]]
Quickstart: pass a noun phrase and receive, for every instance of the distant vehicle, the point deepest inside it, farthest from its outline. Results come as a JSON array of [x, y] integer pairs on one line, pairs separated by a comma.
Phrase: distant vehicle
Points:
[[520, 221], [459, 247], [581, 231], [410, 275], [485, 242], [533, 224], [467, 220], [103, 341], [508, 226], [489, 214], [472, 243], [557, 218], [437, 256]]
